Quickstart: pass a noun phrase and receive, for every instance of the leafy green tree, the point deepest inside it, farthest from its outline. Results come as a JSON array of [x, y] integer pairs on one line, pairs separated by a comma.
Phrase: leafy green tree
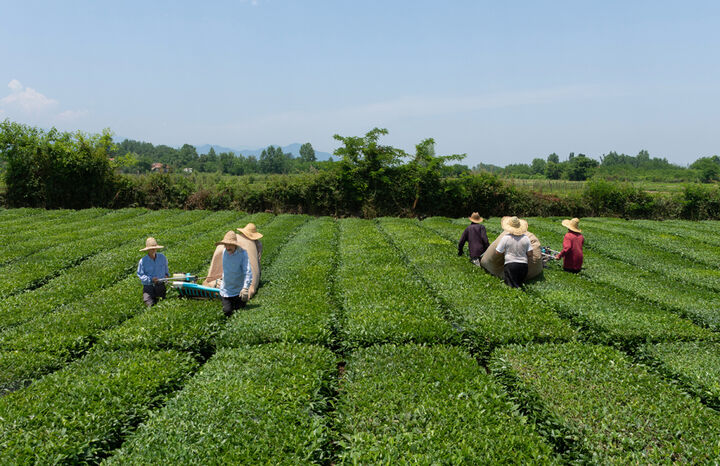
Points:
[[426, 170], [274, 160], [538, 166], [579, 168], [307, 153], [708, 168], [553, 158], [553, 170], [365, 169]]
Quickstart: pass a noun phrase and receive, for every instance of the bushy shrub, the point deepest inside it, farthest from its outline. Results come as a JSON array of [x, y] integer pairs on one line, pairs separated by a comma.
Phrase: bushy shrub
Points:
[[53, 169]]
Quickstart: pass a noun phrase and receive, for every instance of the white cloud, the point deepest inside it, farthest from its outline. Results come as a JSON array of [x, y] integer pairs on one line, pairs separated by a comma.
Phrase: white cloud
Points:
[[26, 100], [27, 105]]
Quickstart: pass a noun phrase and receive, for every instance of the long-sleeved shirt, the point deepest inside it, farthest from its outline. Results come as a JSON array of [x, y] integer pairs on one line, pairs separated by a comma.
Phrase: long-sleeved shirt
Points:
[[476, 238], [149, 268], [572, 250], [237, 273]]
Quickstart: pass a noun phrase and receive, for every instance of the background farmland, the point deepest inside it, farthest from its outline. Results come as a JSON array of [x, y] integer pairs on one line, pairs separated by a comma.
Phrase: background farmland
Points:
[[369, 341]]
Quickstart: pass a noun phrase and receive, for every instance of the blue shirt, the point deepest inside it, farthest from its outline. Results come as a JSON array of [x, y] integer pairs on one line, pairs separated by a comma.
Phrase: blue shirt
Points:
[[149, 269], [237, 273]]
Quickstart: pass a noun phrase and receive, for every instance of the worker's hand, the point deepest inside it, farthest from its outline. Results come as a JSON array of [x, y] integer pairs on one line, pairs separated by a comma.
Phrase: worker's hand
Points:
[[244, 295], [155, 279]]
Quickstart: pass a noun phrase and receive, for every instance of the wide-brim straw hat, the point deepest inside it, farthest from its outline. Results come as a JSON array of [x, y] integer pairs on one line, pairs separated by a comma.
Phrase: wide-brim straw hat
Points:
[[572, 225], [476, 218], [514, 225], [151, 243], [250, 231], [230, 238]]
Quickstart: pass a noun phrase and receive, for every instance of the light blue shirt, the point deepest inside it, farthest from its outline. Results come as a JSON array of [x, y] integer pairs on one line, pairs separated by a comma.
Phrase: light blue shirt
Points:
[[149, 269], [237, 273]]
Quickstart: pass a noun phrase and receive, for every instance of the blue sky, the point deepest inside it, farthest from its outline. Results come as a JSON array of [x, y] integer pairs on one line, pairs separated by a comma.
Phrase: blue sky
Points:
[[503, 82]]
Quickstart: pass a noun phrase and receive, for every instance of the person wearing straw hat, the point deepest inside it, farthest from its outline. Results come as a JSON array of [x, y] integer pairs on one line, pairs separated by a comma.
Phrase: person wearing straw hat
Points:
[[476, 237], [572, 251], [252, 239], [517, 249], [151, 269], [237, 275]]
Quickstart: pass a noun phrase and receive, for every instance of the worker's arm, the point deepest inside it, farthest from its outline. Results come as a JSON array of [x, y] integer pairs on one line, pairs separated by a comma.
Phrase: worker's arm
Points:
[[167, 270], [248, 271], [567, 245], [463, 240], [144, 277]]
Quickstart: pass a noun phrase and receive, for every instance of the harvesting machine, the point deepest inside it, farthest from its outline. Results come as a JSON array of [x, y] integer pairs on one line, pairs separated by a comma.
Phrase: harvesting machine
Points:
[[187, 287]]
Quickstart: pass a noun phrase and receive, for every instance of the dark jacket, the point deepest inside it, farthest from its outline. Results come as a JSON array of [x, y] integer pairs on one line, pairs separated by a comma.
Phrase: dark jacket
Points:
[[476, 238]]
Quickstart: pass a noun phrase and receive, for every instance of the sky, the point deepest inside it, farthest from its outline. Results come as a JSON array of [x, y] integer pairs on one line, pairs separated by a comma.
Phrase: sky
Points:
[[503, 82]]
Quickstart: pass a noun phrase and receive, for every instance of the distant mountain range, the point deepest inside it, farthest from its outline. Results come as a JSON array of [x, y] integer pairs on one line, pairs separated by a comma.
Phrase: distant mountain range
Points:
[[293, 149]]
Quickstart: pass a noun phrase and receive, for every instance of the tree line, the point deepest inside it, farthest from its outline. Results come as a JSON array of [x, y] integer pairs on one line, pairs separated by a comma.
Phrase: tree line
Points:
[[611, 166], [136, 157], [54, 169]]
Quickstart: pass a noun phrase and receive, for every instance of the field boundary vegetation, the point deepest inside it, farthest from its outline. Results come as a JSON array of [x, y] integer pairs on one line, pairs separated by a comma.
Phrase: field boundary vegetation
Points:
[[52, 169]]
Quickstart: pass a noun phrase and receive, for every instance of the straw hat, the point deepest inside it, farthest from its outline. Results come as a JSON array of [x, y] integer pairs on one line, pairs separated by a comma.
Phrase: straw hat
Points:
[[250, 231], [572, 225], [151, 243], [475, 218], [514, 225], [230, 238]]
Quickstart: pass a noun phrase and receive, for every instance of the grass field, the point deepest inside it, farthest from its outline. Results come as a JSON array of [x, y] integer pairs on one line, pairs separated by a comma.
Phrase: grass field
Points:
[[566, 187], [370, 341]]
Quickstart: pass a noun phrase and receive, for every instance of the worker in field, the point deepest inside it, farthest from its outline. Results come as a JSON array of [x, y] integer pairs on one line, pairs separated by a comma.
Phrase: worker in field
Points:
[[236, 275], [152, 268], [572, 251], [476, 237], [249, 238], [517, 249]]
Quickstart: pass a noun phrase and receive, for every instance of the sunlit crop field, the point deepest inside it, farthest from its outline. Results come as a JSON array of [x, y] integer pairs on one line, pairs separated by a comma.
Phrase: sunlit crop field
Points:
[[370, 341]]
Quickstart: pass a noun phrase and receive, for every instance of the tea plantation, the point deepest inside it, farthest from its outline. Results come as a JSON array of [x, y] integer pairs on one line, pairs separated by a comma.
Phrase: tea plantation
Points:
[[370, 341]]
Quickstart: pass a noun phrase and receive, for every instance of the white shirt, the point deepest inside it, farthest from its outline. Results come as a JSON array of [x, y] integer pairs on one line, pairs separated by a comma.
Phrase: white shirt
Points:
[[515, 248]]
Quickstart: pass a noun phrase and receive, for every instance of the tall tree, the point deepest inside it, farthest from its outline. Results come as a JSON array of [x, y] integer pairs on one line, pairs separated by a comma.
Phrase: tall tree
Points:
[[307, 153]]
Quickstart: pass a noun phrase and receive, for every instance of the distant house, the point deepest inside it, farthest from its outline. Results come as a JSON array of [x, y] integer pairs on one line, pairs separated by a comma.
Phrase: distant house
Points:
[[158, 167], [188, 169]]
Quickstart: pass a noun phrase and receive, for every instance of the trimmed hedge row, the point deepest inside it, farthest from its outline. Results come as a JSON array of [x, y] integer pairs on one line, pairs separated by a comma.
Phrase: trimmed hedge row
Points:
[[81, 413], [100, 270], [296, 305], [16, 220], [38, 268], [695, 364], [182, 326], [69, 332], [489, 312], [686, 252], [611, 317], [592, 401], [382, 301], [256, 405], [676, 231], [690, 302], [429, 405], [35, 236], [19, 368], [645, 251]]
